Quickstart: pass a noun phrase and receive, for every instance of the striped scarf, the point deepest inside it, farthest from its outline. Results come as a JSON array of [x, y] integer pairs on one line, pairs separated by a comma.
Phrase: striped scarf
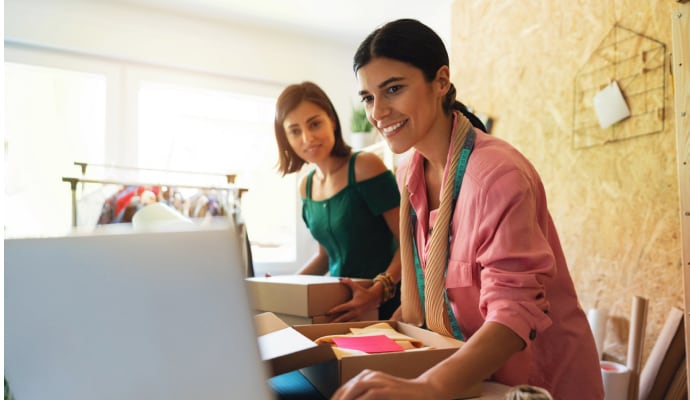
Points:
[[437, 318]]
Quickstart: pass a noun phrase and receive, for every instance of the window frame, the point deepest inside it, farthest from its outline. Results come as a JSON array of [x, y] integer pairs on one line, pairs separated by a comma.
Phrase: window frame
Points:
[[121, 127]]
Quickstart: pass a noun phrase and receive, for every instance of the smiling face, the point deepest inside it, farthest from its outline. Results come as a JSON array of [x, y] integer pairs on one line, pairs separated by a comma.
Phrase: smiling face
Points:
[[400, 103], [310, 132]]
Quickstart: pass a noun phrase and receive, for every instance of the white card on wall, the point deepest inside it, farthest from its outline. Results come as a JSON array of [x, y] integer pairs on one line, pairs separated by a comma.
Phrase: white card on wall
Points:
[[610, 105]]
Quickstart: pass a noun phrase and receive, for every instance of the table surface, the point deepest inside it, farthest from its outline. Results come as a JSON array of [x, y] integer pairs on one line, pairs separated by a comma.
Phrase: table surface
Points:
[[294, 386]]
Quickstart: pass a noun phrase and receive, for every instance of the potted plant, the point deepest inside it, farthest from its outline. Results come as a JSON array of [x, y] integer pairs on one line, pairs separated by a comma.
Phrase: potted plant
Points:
[[362, 135]]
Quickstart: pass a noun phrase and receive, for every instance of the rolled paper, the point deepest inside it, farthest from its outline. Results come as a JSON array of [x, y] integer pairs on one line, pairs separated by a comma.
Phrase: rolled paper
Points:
[[597, 321], [616, 379]]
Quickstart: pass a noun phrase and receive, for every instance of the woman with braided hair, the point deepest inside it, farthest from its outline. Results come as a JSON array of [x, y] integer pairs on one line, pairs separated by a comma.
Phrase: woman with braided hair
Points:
[[481, 259]]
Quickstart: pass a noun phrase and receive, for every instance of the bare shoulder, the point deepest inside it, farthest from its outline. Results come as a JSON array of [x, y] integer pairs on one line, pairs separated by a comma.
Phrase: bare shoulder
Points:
[[303, 186], [368, 165]]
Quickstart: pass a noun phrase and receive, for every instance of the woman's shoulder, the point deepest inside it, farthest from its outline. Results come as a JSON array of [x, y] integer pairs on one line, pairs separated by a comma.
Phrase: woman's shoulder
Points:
[[494, 158], [303, 184], [368, 165]]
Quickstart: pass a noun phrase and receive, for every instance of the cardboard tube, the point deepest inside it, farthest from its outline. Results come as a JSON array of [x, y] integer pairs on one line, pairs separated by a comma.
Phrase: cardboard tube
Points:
[[638, 323]]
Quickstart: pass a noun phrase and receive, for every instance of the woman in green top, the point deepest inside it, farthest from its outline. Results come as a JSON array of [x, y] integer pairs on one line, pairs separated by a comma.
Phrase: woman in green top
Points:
[[350, 201]]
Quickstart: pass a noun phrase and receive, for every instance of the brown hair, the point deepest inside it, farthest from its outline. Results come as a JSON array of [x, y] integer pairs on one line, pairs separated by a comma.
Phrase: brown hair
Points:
[[291, 97]]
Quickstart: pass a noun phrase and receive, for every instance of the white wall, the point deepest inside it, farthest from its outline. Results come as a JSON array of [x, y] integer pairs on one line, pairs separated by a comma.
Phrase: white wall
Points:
[[149, 35], [152, 37]]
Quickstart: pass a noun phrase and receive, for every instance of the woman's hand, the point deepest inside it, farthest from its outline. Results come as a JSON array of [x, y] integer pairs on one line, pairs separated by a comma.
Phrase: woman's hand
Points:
[[363, 300], [489, 348], [370, 384]]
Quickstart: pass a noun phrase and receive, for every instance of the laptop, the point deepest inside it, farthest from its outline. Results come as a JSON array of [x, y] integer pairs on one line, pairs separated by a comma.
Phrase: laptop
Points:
[[131, 315]]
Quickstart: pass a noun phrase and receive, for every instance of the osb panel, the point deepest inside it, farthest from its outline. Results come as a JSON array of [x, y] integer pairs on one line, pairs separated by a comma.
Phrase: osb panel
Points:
[[615, 204]]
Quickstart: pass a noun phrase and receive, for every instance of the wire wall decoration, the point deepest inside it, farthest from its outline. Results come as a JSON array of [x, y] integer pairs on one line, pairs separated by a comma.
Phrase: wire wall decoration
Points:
[[637, 62]]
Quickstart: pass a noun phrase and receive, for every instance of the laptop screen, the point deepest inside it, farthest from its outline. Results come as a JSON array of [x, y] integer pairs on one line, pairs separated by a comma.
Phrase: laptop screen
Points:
[[130, 315]]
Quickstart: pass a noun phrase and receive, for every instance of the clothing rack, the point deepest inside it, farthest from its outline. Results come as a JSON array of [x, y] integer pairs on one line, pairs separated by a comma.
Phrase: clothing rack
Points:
[[233, 192], [230, 178]]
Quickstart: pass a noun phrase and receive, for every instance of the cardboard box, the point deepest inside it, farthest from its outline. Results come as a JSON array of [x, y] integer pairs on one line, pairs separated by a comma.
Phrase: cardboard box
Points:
[[309, 296], [370, 315], [285, 349]]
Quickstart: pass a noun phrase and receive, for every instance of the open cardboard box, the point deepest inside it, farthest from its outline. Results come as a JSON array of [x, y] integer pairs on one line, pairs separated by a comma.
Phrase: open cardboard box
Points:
[[369, 315], [288, 348], [302, 299]]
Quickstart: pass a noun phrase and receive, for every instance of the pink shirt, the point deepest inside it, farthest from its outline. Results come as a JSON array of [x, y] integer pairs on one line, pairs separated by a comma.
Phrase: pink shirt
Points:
[[507, 266]]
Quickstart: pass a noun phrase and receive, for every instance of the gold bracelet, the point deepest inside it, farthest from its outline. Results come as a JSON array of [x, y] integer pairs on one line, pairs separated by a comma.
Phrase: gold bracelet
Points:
[[389, 287]]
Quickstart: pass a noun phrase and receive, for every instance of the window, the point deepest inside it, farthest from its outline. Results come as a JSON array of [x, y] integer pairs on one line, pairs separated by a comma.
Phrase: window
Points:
[[197, 129], [52, 116], [62, 108]]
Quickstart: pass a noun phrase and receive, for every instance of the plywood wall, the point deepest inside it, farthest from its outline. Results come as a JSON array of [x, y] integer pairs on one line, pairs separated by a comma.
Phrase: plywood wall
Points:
[[616, 202]]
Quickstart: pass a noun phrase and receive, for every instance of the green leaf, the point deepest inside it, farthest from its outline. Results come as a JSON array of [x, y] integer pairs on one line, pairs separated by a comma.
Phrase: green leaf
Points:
[[359, 121]]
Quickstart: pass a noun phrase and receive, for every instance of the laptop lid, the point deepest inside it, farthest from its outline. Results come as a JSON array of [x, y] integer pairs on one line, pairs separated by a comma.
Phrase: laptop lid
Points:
[[130, 315]]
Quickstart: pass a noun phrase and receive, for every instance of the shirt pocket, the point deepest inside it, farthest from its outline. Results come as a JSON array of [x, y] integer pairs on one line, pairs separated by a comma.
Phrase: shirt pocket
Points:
[[459, 274]]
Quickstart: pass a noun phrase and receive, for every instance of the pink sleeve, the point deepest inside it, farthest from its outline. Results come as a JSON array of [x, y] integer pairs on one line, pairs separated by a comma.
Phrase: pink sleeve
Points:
[[515, 256]]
